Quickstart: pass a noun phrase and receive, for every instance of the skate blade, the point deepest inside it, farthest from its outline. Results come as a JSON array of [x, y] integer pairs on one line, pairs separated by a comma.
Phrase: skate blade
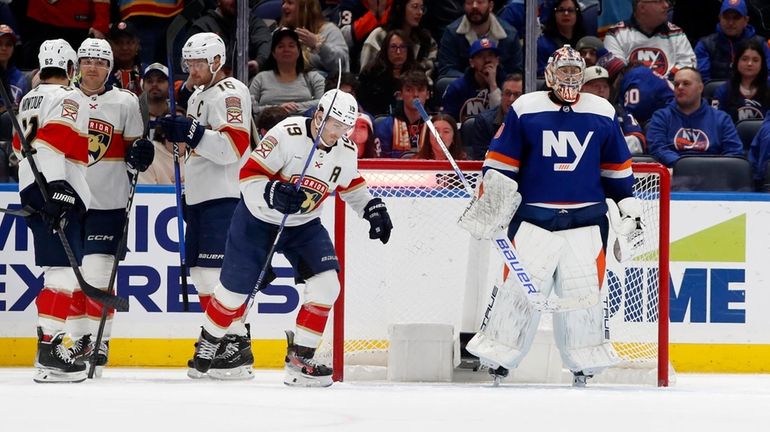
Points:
[[194, 374], [234, 374], [299, 380], [45, 376]]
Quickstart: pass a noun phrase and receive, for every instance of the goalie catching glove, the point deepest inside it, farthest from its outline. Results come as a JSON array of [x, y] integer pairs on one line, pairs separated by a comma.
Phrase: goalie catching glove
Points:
[[493, 206], [379, 220]]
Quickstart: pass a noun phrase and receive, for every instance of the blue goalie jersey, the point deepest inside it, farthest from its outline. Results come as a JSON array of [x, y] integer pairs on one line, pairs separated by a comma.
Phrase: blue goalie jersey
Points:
[[563, 155]]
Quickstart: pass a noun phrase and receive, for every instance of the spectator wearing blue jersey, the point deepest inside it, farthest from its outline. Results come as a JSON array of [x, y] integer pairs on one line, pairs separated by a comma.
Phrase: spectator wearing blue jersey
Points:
[[18, 84], [746, 95], [477, 22], [690, 126], [759, 154], [487, 123], [596, 80], [717, 52], [479, 88], [642, 92], [564, 26]]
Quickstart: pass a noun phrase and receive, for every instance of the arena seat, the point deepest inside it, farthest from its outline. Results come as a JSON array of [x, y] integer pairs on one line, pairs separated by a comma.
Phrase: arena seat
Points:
[[466, 133], [711, 88], [747, 130], [713, 174]]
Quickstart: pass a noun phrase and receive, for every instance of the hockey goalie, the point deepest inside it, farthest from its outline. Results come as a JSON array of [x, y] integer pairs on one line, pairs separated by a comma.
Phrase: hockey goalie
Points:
[[563, 152]]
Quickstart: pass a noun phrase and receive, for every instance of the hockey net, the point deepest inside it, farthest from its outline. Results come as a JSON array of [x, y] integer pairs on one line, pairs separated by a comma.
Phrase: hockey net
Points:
[[431, 271]]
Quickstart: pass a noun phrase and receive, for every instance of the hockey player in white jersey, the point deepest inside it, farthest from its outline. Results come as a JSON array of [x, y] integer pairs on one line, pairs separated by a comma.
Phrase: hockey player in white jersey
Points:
[[54, 118], [563, 151], [267, 187], [217, 129], [114, 145]]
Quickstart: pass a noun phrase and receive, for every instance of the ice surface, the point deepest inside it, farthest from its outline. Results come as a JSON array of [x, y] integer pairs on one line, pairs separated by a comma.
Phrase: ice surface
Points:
[[147, 400]]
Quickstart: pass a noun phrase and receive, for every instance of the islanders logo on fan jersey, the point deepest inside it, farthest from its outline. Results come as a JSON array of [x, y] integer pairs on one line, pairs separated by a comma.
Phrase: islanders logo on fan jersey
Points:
[[99, 139], [653, 58], [691, 139], [315, 191]]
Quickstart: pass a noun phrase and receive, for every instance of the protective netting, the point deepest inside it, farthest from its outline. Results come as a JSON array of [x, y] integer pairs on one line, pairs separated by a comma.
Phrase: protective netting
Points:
[[431, 271]]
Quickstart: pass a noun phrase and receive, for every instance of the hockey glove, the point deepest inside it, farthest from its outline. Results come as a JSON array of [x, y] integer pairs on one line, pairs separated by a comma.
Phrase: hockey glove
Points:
[[283, 197], [379, 220], [182, 129], [140, 155], [61, 199]]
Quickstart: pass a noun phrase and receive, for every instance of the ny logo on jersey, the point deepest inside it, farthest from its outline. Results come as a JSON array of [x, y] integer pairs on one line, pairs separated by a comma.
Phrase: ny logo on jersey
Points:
[[691, 139], [559, 142], [653, 58]]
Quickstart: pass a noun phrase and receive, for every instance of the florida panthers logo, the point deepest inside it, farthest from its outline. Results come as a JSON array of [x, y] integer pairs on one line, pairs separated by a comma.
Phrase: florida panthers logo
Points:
[[691, 139], [315, 191], [653, 58], [99, 139]]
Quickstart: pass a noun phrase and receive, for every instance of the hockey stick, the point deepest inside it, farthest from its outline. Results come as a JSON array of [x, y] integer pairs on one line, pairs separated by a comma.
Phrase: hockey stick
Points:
[[509, 254], [92, 292], [297, 185], [143, 109], [178, 191], [23, 212]]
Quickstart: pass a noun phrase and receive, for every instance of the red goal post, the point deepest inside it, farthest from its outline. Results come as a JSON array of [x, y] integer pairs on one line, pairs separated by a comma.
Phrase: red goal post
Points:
[[427, 270]]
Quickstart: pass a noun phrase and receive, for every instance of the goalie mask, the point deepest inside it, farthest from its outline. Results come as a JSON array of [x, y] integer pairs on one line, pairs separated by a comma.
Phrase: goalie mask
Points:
[[564, 73]]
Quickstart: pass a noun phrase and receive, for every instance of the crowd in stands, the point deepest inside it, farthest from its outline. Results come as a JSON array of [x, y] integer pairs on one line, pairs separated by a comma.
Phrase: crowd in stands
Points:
[[683, 77]]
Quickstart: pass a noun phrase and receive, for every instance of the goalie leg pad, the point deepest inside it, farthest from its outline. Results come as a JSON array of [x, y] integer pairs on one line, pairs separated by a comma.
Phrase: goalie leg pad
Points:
[[493, 206], [581, 335], [508, 328], [539, 251]]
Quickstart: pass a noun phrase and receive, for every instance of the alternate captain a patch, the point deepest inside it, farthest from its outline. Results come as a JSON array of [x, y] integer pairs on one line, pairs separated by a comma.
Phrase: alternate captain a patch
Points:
[[69, 109], [234, 109]]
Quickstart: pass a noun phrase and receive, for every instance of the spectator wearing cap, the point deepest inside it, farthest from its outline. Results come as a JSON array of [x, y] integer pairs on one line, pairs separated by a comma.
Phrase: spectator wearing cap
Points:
[[489, 121], [127, 69], [150, 19], [716, 52], [477, 22], [283, 81], [222, 21], [592, 49], [18, 83], [649, 38], [71, 20], [479, 88], [564, 26], [155, 90], [690, 126], [596, 80]]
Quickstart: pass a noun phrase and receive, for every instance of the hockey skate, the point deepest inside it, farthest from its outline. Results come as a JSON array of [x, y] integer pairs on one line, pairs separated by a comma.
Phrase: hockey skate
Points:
[[579, 379], [205, 350], [234, 358], [301, 370], [80, 350], [99, 357], [53, 362], [498, 374]]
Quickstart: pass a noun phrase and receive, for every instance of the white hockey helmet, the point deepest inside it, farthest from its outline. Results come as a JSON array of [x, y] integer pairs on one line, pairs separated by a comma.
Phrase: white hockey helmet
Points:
[[564, 73], [96, 48], [56, 53], [344, 107], [204, 46]]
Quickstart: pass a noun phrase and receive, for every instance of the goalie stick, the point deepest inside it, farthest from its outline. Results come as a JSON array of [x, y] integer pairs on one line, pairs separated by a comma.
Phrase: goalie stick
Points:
[[144, 111], [103, 297], [509, 254]]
